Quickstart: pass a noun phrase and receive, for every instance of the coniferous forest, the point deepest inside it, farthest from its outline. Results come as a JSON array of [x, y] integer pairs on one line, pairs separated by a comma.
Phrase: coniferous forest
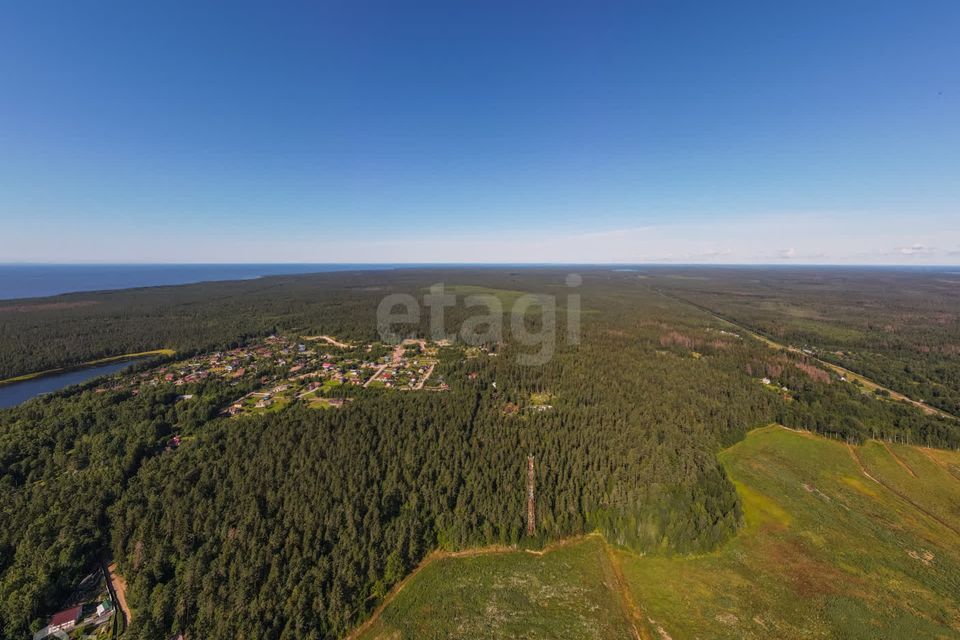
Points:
[[295, 523]]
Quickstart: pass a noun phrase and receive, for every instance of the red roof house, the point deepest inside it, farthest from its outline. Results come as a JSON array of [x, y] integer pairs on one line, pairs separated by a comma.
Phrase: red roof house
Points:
[[66, 619]]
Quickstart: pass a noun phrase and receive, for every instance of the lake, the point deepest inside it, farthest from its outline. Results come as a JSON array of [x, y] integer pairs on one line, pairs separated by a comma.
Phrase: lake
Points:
[[16, 392]]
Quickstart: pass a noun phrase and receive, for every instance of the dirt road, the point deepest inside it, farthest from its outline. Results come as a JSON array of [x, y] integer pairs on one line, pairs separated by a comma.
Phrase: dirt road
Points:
[[329, 340], [847, 373], [630, 609], [118, 588]]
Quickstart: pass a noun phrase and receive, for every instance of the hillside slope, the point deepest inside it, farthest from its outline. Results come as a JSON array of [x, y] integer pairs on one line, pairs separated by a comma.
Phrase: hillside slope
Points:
[[839, 541]]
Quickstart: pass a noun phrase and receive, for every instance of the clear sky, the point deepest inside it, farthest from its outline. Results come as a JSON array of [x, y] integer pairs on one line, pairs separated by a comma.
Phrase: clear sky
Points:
[[480, 131]]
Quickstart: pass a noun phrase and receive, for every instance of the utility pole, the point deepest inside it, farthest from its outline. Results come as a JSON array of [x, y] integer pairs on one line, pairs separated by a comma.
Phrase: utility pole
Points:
[[531, 505]]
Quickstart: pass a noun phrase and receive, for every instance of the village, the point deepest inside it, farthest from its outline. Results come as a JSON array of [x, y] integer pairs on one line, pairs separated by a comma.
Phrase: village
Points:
[[318, 370], [91, 613]]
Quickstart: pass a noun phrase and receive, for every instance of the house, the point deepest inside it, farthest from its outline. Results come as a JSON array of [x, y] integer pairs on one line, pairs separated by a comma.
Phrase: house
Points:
[[104, 607], [65, 620]]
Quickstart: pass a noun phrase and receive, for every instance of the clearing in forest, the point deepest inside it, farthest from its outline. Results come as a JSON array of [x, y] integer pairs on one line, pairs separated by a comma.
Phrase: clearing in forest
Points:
[[507, 297], [570, 591]]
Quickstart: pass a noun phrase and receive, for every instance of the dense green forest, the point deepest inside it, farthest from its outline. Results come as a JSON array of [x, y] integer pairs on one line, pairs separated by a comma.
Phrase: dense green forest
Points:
[[900, 327], [294, 524]]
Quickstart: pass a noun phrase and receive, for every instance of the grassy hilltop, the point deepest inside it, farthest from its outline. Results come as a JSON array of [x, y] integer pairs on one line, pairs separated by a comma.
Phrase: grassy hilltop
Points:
[[840, 541]]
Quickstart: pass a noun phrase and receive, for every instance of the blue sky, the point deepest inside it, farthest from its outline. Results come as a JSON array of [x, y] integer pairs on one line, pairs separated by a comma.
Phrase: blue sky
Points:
[[660, 131]]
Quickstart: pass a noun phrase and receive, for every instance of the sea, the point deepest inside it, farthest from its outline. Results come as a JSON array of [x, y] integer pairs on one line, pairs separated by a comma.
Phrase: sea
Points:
[[39, 280]]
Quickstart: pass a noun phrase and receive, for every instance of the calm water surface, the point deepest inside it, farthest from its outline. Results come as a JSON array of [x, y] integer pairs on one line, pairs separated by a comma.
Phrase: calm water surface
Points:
[[17, 392], [37, 280]]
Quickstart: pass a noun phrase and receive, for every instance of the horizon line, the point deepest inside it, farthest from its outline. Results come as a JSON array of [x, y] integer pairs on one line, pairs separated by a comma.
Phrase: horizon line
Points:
[[479, 264]]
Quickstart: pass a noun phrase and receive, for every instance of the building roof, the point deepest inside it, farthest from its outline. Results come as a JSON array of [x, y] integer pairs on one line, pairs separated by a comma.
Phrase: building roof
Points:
[[67, 615]]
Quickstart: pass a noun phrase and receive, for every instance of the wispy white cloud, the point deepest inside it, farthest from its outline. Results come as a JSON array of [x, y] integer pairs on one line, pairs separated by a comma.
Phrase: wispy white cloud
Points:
[[800, 238], [914, 250]]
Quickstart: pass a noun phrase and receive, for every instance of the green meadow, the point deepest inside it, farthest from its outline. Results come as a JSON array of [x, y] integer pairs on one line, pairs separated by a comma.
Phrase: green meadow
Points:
[[507, 297], [838, 541], [826, 551], [567, 592]]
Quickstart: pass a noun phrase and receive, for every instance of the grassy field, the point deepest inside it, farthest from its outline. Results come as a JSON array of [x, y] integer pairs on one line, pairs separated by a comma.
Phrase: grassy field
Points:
[[507, 297], [826, 551], [838, 542], [568, 592]]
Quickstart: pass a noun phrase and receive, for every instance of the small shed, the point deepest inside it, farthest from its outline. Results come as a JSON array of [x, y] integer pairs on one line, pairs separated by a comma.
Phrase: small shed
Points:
[[104, 607]]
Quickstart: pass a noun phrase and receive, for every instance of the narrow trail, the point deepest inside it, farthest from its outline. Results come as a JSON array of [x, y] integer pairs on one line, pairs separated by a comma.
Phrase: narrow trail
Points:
[[953, 472], [632, 612], [900, 495], [900, 461], [863, 470]]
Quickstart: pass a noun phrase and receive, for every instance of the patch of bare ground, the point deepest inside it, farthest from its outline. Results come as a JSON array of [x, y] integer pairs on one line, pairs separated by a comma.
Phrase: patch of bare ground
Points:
[[805, 575], [922, 556], [328, 340], [660, 630]]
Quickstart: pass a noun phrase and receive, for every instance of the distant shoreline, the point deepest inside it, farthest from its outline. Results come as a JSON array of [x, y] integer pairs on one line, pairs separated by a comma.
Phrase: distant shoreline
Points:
[[84, 365], [22, 281], [26, 281]]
